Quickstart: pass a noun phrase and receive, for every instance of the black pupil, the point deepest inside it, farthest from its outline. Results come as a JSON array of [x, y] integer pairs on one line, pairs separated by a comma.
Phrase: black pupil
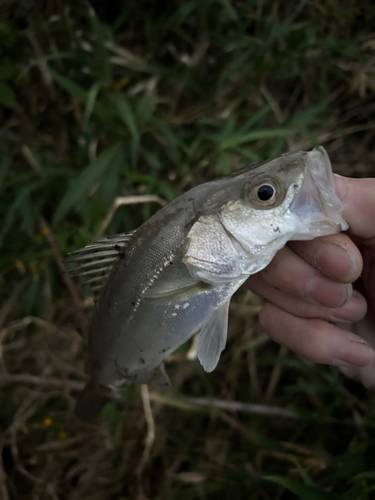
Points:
[[265, 192]]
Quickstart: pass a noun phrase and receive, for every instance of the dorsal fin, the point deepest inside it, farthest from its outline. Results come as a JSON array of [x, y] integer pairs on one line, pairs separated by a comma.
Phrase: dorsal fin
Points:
[[94, 262]]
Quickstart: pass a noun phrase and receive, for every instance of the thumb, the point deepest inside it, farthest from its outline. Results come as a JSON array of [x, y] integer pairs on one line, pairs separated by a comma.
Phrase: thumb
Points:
[[358, 197]]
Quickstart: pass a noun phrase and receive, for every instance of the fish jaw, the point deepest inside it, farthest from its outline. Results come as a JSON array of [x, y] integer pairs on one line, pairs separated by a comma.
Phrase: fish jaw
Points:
[[316, 204]]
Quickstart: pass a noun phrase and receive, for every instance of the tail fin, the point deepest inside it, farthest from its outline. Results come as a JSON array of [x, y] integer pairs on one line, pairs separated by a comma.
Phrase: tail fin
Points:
[[91, 401]]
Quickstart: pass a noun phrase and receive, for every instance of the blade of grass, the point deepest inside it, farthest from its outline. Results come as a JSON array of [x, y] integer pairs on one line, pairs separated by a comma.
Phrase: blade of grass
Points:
[[80, 186], [7, 96], [302, 491], [254, 136], [125, 113]]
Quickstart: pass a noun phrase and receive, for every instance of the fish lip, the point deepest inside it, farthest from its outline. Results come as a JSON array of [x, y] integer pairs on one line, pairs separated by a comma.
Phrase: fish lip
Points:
[[316, 201]]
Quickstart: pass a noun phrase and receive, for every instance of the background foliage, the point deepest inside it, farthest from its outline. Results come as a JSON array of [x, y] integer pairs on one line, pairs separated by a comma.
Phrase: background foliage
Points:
[[149, 97]]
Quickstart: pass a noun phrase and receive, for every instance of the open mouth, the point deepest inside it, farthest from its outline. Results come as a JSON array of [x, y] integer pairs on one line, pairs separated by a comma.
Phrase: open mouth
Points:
[[316, 203]]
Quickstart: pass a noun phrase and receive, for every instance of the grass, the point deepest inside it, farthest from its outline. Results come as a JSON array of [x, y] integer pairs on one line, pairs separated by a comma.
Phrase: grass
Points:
[[107, 99]]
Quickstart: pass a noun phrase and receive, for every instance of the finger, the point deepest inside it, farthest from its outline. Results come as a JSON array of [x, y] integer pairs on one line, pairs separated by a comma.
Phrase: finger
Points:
[[335, 255], [354, 310], [314, 339], [366, 374], [291, 274], [358, 196]]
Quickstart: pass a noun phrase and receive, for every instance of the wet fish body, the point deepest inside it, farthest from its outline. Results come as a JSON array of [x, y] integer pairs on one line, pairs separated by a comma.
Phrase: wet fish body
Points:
[[176, 274]]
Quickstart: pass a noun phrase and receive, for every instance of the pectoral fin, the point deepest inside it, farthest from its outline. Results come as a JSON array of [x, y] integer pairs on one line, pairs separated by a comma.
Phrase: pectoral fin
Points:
[[212, 338]]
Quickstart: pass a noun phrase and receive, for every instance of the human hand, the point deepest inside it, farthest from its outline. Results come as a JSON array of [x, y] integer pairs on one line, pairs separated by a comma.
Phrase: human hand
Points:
[[313, 308]]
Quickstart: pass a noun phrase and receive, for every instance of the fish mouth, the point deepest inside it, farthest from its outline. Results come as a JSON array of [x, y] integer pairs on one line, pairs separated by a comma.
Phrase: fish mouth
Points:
[[316, 203]]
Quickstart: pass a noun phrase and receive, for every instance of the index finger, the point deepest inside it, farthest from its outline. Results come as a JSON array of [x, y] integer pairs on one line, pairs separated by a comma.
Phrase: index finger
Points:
[[358, 197], [334, 255]]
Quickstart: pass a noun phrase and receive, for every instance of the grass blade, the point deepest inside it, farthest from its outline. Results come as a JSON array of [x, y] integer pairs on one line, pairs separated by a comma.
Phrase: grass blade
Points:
[[125, 113], [7, 96], [254, 136], [81, 185], [302, 491]]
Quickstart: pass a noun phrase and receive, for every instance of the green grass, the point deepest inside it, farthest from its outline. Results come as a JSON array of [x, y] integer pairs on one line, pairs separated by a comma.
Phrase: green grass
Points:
[[140, 97]]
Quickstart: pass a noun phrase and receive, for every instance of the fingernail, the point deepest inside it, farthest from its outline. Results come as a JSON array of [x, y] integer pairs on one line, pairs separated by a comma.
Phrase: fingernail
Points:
[[327, 292], [335, 262], [354, 310], [356, 353]]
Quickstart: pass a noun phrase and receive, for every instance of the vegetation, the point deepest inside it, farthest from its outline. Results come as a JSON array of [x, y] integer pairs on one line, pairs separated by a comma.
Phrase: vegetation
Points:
[[148, 97]]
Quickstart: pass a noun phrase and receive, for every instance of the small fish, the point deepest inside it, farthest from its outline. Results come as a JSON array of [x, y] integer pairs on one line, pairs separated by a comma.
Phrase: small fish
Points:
[[176, 274]]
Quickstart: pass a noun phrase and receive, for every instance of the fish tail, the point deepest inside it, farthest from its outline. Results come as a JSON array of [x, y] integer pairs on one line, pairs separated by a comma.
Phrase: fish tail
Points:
[[91, 401]]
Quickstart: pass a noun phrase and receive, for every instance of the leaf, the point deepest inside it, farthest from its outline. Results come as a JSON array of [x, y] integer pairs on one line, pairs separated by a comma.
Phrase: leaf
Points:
[[110, 411], [6, 71], [7, 96], [108, 188], [254, 136], [90, 102], [173, 140], [152, 158], [13, 210], [354, 493], [183, 12], [166, 191], [227, 131], [349, 464], [103, 34], [248, 154], [308, 116], [304, 475], [224, 162], [32, 297], [254, 118], [27, 214], [277, 147], [364, 475], [228, 7], [71, 87], [80, 94], [82, 184], [302, 491], [11, 214], [125, 113], [145, 109]]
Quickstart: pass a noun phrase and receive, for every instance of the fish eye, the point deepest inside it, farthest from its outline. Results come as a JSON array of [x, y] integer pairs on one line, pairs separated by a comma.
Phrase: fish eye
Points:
[[265, 192]]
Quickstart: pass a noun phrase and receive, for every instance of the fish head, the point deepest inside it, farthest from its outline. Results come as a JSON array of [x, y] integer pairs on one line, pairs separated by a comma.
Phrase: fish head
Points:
[[289, 198]]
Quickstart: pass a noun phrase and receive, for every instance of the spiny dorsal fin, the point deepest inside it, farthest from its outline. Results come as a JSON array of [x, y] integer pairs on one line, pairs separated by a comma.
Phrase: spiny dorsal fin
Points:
[[94, 262]]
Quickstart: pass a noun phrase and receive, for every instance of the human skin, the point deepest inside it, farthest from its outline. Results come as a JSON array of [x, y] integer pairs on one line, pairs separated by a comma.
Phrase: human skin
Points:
[[321, 293]]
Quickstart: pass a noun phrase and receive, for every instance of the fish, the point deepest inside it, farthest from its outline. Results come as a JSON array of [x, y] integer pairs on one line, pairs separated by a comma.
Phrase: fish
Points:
[[175, 275]]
